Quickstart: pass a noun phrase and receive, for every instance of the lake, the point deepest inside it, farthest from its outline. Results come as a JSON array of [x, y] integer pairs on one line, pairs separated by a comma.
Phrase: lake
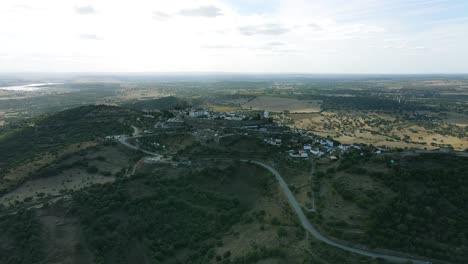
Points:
[[27, 87]]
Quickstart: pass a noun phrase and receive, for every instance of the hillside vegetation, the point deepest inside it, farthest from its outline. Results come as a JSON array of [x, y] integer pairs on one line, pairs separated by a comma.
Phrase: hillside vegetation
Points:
[[414, 204], [66, 127], [145, 219], [164, 103], [38, 146]]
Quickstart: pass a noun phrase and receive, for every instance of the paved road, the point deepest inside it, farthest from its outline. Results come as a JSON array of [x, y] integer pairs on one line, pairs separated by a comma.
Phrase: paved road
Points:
[[313, 231], [305, 222], [124, 142]]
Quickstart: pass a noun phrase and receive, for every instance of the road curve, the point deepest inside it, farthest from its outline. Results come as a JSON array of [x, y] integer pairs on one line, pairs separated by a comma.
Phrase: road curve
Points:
[[124, 142], [303, 219], [314, 232]]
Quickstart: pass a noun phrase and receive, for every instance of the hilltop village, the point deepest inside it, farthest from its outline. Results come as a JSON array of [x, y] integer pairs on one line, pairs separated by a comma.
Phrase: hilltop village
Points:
[[209, 126]]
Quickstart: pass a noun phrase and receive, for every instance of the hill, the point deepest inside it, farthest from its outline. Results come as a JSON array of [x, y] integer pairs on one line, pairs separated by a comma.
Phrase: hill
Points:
[[66, 127], [40, 144], [414, 204], [164, 103]]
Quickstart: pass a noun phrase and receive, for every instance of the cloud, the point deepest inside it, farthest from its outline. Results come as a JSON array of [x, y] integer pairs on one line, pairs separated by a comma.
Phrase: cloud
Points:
[[202, 11], [266, 29], [275, 44], [268, 48], [314, 26], [289, 51], [89, 37], [161, 16], [25, 7], [85, 10], [221, 46], [175, 33]]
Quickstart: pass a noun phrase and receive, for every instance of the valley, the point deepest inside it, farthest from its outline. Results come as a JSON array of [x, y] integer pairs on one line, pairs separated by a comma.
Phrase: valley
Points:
[[204, 177]]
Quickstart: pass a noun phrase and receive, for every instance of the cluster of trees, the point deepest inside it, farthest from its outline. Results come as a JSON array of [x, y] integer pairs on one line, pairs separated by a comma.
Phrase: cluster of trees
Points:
[[259, 253], [363, 198], [59, 167], [20, 239], [164, 103], [173, 215], [369, 103], [429, 215], [332, 255], [67, 127]]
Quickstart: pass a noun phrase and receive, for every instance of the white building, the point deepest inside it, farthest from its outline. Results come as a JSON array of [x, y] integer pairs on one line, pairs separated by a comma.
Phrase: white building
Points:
[[198, 113], [300, 154], [236, 118], [316, 152], [273, 141], [266, 114], [327, 143]]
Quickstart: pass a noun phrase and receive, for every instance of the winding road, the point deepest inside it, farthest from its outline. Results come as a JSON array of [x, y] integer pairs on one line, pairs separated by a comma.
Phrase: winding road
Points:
[[123, 141], [303, 219], [314, 232]]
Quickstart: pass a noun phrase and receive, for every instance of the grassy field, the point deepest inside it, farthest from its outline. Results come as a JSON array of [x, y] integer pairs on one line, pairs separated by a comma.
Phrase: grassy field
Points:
[[108, 161], [26, 169], [223, 108], [385, 129]]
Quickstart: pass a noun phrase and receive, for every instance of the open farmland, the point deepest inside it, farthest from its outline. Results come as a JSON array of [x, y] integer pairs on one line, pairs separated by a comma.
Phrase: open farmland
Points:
[[407, 130], [278, 104]]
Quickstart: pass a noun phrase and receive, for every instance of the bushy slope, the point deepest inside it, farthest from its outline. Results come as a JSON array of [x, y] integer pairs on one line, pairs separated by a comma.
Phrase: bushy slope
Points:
[[69, 126], [143, 219], [430, 214], [419, 207], [164, 103], [20, 240]]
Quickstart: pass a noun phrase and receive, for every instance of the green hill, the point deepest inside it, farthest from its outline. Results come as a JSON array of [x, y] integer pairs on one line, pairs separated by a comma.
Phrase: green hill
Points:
[[66, 127], [164, 103]]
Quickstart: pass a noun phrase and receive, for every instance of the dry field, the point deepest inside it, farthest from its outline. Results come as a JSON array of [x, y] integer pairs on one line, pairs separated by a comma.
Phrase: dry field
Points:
[[21, 172], [69, 179], [223, 108], [380, 129], [136, 92], [73, 179], [278, 104], [27, 168]]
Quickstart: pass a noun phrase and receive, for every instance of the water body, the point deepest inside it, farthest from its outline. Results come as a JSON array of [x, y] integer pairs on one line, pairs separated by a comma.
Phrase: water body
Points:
[[27, 87]]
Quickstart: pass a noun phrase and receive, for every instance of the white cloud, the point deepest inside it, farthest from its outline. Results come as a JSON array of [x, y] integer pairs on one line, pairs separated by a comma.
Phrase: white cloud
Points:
[[89, 36], [212, 35], [85, 10], [161, 16], [265, 29], [275, 44], [202, 11]]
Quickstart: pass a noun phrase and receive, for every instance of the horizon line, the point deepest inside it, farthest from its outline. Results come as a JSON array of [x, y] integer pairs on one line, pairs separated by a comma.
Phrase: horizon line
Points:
[[224, 72]]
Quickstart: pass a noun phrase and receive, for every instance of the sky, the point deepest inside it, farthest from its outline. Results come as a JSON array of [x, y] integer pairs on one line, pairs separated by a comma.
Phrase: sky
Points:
[[258, 36]]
